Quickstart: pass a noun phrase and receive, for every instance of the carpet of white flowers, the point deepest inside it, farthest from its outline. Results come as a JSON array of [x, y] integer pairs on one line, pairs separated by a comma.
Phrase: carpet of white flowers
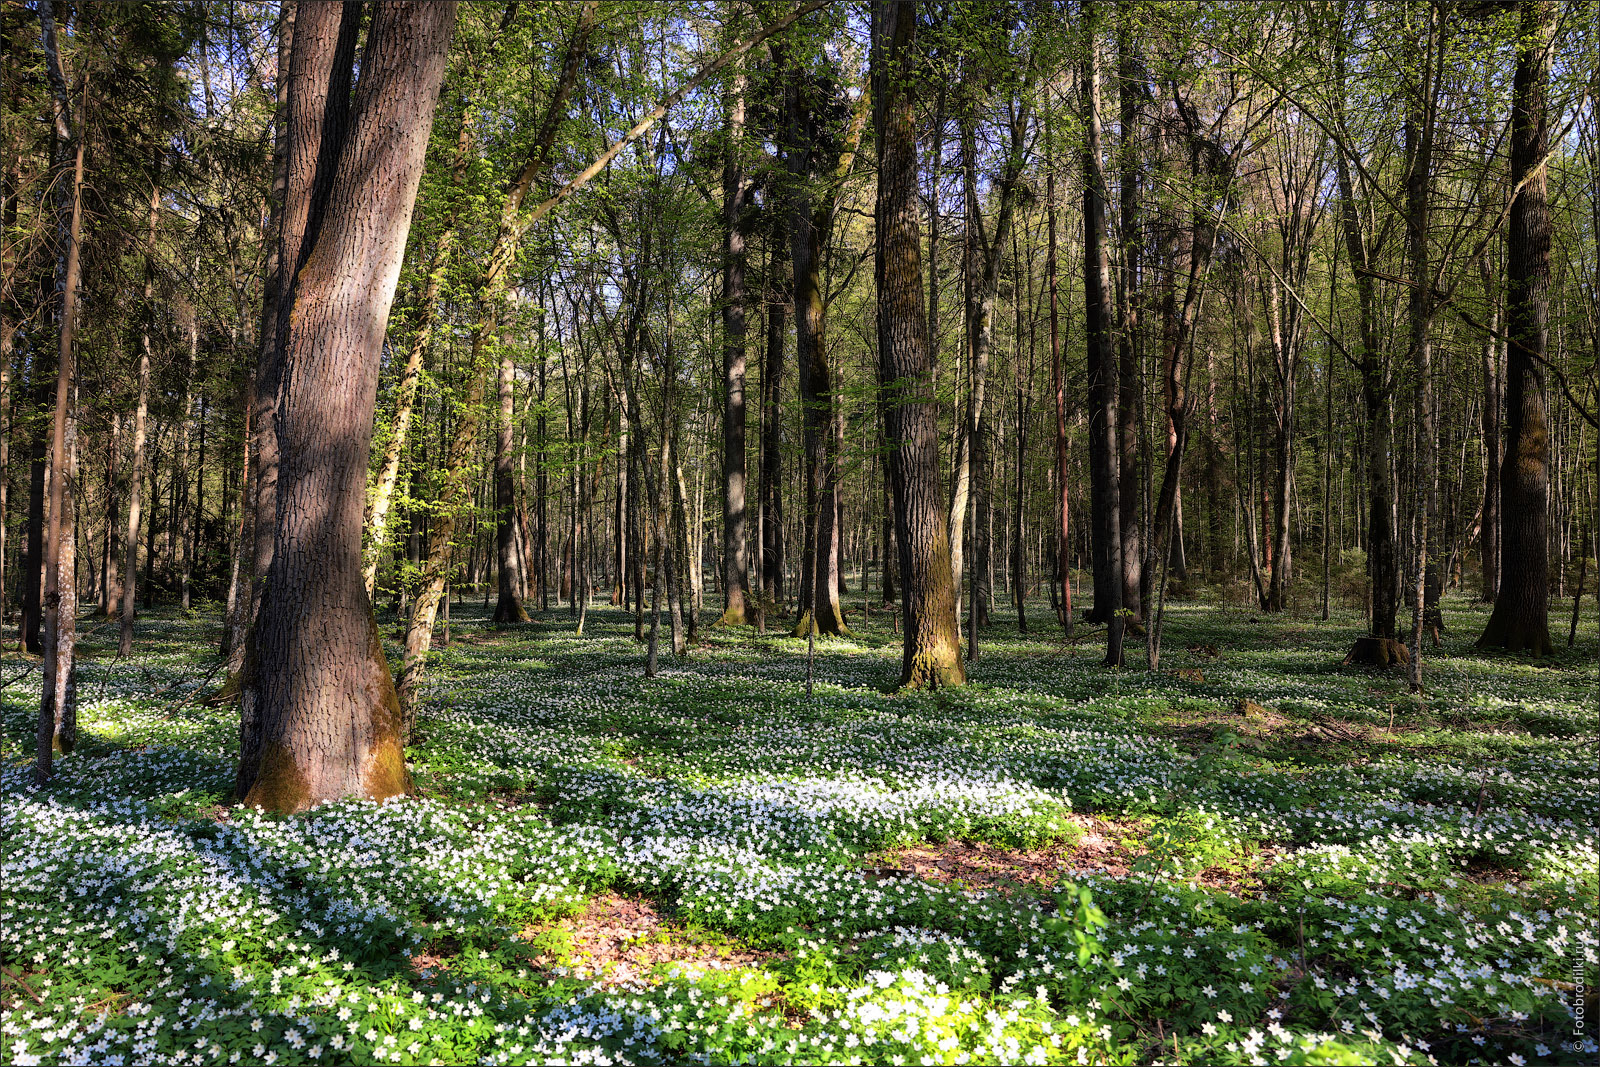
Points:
[[1336, 873]]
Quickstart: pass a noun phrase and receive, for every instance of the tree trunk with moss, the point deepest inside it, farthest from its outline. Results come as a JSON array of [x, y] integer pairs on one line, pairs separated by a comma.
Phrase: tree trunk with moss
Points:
[[931, 655], [330, 723]]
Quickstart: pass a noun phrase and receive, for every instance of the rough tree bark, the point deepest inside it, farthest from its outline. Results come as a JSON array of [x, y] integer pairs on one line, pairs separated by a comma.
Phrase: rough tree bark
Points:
[[1105, 489], [931, 655], [1520, 621], [58, 725], [809, 219], [330, 723], [772, 425], [735, 567]]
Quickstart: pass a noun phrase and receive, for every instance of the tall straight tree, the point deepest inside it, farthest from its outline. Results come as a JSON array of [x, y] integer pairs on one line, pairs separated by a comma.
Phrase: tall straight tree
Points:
[[735, 189], [815, 156], [988, 248], [1520, 619], [141, 413], [931, 656], [1104, 494], [329, 719], [57, 703]]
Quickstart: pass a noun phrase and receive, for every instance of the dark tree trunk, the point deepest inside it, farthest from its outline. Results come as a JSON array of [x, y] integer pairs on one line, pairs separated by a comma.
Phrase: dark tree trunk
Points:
[[772, 428], [1519, 621], [1382, 558], [932, 645], [1493, 392], [330, 721], [58, 713], [1063, 532], [819, 586], [1130, 338], [1105, 488], [735, 567]]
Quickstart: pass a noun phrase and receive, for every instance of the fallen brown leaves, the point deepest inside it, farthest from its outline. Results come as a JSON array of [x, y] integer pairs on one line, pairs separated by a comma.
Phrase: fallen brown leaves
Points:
[[1099, 848], [619, 940]]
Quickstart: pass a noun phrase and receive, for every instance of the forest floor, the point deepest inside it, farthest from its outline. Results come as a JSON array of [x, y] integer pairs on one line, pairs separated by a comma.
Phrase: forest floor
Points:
[[1254, 855]]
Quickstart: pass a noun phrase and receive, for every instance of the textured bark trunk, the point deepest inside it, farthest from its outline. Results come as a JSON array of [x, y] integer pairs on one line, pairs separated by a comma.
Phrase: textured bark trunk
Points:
[[1493, 392], [490, 289], [1419, 131], [931, 656], [1130, 336], [1106, 488], [330, 722], [772, 564], [1519, 621], [819, 586], [1283, 362], [58, 714], [1063, 471], [184, 528], [136, 469], [33, 538], [508, 606], [8, 329], [981, 291], [735, 567], [1382, 560]]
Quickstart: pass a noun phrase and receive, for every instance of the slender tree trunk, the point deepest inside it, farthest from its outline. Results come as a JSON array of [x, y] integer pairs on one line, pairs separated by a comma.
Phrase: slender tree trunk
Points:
[[819, 587], [1130, 337], [1519, 621], [931, 655], [772, 521], [735, 568], [185, 528], [329, 719], [508, 607], [1063, 552], [58, 716], [1419, 129], [1493, 393], [1105, 496], [136, 470]]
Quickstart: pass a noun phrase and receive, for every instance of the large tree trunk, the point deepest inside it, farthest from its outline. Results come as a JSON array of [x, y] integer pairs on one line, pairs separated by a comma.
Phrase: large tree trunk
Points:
[[772, 430], [1105, 488], [1519, 621], [931, 655], [329, 719], [58, 716], [735, 568]]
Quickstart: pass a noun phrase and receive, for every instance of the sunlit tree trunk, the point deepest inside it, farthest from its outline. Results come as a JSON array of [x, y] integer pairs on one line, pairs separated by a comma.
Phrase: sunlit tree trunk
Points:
[[330, 722], [931, 655], [58, 716]]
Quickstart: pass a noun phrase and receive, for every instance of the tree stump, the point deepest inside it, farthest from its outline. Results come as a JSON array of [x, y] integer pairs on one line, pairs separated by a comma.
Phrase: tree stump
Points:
[[1378, 652]]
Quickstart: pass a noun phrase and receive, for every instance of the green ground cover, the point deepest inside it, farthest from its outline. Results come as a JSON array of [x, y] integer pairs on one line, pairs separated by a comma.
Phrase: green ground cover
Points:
[[1254, 855]]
